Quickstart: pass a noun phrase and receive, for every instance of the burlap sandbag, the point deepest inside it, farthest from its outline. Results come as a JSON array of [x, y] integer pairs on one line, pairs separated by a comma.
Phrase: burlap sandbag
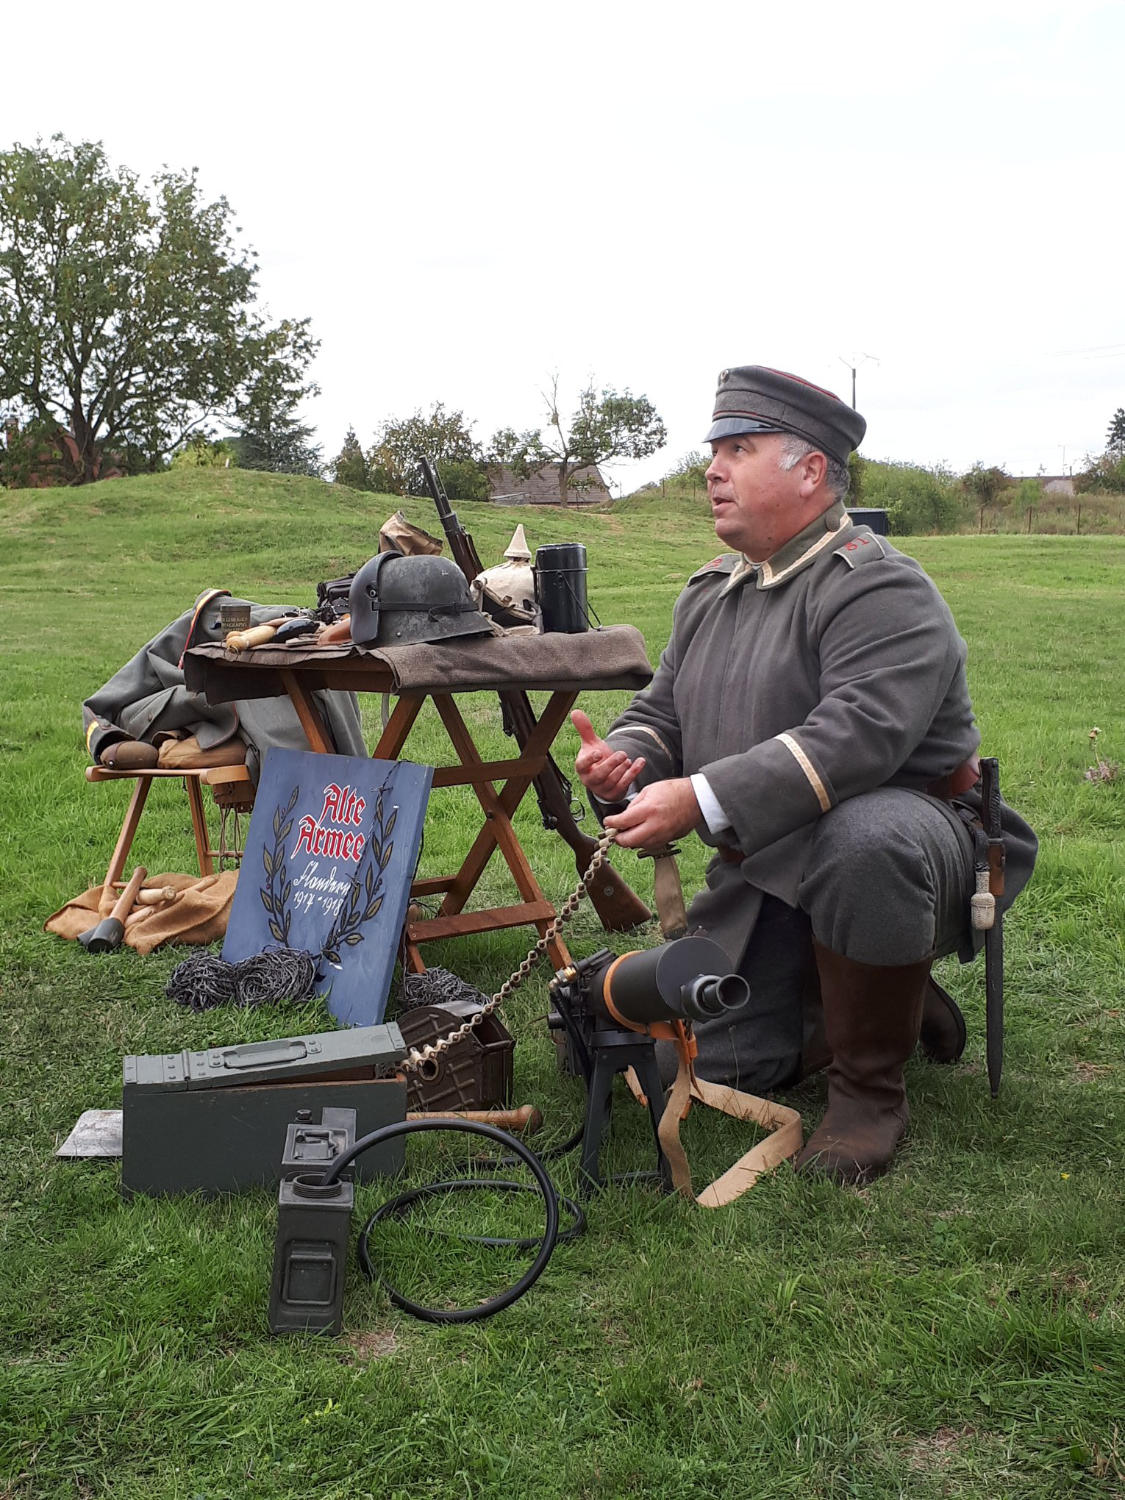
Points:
[[199, 914]]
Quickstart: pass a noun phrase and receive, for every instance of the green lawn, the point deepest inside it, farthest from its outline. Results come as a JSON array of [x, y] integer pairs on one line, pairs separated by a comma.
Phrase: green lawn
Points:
[[956, 1329]]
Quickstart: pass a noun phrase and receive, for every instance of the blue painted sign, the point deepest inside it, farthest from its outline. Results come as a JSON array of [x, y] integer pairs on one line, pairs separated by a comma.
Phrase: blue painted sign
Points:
[[330, 854]]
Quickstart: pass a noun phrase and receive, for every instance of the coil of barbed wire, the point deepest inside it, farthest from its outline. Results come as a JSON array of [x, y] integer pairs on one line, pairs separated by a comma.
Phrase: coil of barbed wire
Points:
[[203, 980]]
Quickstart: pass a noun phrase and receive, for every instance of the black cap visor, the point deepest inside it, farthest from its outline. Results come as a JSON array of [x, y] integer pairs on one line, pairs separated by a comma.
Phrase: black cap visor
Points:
[[725, 427]]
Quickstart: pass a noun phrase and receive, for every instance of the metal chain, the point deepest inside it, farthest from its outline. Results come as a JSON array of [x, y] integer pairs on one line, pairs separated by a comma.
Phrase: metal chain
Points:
[[417, 1056]]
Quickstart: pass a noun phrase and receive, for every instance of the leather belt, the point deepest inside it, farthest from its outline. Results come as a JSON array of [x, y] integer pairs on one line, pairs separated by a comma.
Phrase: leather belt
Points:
[[945, 788], [957, 782]]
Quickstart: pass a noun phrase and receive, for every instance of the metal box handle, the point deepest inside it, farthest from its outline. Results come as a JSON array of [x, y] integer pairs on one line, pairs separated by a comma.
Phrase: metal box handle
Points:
[[261, 1054]]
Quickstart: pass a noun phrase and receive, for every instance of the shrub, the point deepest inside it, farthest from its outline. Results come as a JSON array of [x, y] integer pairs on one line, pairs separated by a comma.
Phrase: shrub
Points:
[[916, 499], [1105, 474], [464, 479]]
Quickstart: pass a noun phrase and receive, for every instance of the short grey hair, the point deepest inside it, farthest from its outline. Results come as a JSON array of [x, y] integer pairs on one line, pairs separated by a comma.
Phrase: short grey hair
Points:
[[794, 448]]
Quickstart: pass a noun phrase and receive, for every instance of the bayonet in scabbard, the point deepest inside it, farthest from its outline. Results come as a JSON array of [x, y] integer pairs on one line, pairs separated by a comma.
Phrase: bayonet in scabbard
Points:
[[991, 817]]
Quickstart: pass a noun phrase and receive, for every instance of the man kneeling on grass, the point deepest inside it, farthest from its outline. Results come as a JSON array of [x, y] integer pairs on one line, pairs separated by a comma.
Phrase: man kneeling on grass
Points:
[[810, 719]]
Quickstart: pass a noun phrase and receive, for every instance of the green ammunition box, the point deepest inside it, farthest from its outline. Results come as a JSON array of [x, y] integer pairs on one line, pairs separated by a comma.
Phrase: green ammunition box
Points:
[[216, 1121]]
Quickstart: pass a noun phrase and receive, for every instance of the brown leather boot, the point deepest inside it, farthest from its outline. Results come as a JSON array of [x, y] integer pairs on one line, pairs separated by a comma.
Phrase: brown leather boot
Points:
[[129, 755], [942, 1038], [872, 1015]]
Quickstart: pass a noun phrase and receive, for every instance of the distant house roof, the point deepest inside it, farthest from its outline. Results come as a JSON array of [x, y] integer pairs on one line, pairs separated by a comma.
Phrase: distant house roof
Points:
[[587, 487]]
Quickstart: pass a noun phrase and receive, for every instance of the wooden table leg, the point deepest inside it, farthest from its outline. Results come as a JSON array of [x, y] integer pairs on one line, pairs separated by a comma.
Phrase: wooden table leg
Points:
[[398, 726], [308, 713], [512, 794], [498, 831]]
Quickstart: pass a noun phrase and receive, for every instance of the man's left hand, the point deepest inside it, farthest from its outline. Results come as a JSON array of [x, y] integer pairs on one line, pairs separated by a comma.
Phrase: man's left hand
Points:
[[659, 813]]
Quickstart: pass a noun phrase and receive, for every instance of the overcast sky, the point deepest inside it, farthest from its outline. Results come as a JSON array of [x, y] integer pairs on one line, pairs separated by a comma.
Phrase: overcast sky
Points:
[[465, 198]]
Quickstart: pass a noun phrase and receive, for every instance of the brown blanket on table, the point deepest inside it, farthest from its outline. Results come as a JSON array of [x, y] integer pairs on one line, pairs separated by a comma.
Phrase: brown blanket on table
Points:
[[612, 657]]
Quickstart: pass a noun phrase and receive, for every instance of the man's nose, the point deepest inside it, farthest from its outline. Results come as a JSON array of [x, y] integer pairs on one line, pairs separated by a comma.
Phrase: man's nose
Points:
[[713, 470]]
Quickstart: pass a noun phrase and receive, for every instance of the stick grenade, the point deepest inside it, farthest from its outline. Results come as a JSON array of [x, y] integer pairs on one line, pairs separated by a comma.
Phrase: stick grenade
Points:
[[154, 895], [257, 635], [523, 1121], [994, 939], [108, 933]]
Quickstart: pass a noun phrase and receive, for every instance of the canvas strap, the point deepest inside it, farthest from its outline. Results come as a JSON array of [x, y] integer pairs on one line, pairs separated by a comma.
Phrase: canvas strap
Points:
[[784, 1140]]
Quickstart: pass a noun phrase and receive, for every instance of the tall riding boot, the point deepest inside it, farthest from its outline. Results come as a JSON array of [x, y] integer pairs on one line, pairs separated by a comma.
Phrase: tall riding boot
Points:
[[872, 1015], [942, 1038]]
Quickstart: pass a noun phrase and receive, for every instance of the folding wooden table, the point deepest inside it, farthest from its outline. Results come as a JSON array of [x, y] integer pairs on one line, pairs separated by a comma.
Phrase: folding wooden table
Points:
[[499, 785]]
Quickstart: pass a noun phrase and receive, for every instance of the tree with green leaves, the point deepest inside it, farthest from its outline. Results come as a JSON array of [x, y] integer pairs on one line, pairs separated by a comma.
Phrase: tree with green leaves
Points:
[[350, 464], [267, 431], [606, 425], [1115, 435], [127, 315], [445, 438], [205, 450], [983, 485]]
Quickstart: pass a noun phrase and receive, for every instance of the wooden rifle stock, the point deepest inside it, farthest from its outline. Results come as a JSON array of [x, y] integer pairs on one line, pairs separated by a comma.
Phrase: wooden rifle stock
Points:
[[618, 906]]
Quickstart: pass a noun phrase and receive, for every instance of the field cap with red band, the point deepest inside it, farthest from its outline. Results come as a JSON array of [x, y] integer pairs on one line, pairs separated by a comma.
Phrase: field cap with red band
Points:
[[752, 398]]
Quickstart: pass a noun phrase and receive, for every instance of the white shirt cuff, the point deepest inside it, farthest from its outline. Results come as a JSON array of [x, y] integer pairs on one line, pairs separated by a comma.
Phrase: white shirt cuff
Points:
[[713, 814]]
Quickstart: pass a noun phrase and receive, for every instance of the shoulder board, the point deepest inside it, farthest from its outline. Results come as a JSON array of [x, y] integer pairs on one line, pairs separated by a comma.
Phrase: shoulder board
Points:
[[862, 546], [722, 565]]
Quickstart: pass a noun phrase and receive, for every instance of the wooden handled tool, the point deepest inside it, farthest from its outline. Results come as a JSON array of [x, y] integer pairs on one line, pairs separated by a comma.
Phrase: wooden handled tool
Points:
[[523, 1121], [335, 635], [108, 933], [257, 635], [153, 895]]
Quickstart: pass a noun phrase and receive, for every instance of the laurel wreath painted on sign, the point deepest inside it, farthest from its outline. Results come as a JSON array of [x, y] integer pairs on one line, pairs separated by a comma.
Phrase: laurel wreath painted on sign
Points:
[[365, 889], [278, 888]]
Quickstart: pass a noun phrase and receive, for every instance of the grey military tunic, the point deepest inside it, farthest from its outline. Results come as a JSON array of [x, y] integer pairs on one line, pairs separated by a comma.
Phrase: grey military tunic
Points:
[[832, 670]]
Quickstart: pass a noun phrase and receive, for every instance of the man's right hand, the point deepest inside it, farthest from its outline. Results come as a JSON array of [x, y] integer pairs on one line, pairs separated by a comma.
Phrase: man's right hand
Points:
[[603, 771]]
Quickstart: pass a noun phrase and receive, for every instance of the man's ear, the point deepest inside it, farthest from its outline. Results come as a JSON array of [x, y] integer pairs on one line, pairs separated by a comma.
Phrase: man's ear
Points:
[[814, 470]]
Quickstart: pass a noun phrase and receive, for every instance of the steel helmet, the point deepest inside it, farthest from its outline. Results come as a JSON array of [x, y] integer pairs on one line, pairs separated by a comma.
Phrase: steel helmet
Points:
[[401, 601]]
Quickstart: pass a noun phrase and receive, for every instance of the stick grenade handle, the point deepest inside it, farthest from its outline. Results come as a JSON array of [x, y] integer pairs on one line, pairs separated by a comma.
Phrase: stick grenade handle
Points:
[[257, 635], [523, 1121], [337, 633], [124, 903]]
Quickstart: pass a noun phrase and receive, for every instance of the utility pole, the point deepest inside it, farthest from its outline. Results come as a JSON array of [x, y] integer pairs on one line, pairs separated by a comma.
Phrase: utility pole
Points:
[[852, 365]]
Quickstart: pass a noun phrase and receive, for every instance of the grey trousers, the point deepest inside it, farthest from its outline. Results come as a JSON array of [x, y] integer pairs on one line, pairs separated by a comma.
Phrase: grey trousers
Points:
[[888, 883]]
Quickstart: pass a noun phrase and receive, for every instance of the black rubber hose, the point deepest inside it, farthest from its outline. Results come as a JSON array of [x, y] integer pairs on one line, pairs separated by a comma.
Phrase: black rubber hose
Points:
[[468, 1127]]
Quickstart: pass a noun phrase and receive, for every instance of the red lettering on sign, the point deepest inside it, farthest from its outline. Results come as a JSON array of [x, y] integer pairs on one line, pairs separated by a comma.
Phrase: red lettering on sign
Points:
[[341, 805]]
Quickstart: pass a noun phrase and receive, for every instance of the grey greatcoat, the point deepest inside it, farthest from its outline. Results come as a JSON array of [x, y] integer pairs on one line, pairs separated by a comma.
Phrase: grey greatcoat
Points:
[[147, 697], [833, 670]]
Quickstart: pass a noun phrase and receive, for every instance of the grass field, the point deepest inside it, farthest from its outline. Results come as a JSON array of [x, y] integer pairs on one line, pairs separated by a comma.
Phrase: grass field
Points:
[[956, 1329]]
